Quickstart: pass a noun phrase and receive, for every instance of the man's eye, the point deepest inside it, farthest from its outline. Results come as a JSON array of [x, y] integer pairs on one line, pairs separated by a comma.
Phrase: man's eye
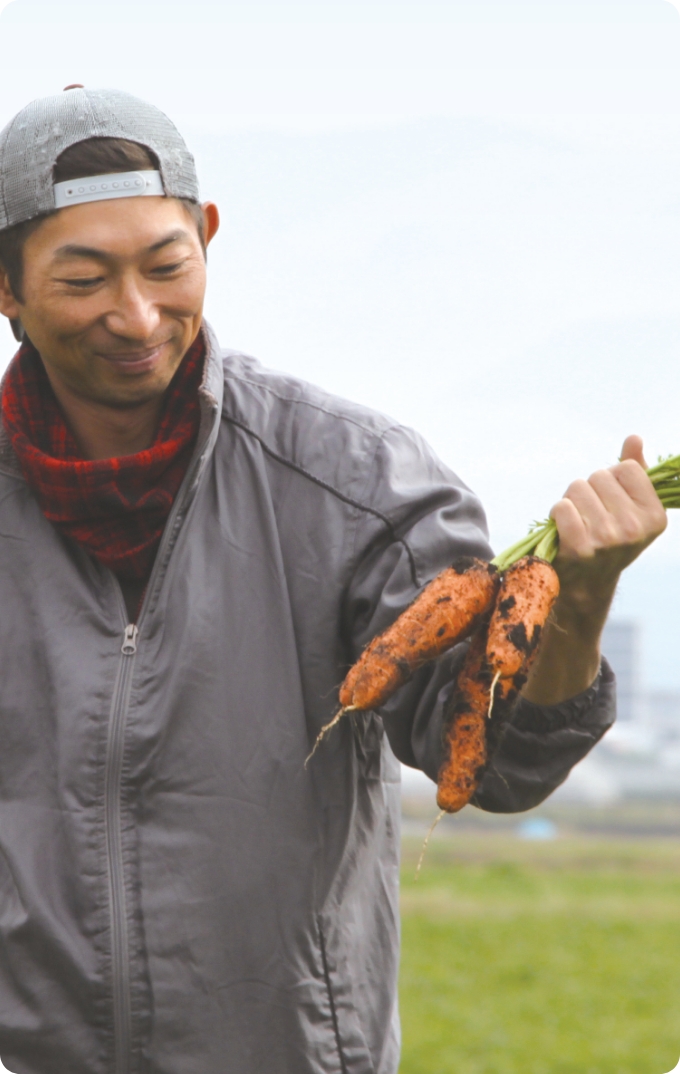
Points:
[[84, 282], [167, 270]]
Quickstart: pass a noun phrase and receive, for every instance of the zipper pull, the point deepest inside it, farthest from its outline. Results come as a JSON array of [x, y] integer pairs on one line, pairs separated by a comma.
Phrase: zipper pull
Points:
[[129, 647]]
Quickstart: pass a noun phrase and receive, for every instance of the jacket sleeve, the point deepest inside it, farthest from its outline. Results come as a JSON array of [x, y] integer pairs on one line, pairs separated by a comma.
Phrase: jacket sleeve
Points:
[[419, 516]]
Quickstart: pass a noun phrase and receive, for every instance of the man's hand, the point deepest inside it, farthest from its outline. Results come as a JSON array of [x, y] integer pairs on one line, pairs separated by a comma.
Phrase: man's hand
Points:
[[604, 524]]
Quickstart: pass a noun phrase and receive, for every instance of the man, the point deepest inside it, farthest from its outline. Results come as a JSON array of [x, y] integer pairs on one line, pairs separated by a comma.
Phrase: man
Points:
[[192, 552]]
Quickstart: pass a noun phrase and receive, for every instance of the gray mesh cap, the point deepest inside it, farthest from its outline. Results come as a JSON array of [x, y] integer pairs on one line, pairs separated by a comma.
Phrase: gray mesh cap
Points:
[[33, 141]]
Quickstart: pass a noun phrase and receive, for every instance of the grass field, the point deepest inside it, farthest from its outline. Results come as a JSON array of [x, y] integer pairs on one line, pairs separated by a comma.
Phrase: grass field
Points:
[[553, 958]]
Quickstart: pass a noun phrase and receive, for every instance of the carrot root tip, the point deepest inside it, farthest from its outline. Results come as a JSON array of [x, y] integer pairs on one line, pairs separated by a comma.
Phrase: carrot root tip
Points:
[[421, 859], [328, 727], [492, 694]]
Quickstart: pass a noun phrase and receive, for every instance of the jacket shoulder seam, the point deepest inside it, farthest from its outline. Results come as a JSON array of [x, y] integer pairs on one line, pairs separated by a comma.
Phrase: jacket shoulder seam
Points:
[[343, 496], [309, 403]]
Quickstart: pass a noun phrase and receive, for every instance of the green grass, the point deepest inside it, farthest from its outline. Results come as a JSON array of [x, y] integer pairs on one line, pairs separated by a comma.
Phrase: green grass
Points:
[[560, 958]]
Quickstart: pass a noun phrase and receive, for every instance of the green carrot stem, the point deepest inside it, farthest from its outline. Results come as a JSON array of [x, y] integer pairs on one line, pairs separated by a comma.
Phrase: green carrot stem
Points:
[[549, 544]]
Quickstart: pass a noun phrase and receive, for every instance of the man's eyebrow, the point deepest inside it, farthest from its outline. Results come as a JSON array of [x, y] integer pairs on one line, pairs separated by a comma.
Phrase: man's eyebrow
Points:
[[73, 250], [63, 253], [174, 236]]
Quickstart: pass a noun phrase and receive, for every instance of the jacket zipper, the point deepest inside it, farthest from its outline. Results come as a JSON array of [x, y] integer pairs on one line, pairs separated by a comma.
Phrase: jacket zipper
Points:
[[120, 952], [120, 956]]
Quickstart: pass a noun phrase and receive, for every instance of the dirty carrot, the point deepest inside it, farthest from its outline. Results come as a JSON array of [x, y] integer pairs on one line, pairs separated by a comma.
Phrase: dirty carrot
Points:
[[448, 610], [465, 740], [494, 671], [528, 591]]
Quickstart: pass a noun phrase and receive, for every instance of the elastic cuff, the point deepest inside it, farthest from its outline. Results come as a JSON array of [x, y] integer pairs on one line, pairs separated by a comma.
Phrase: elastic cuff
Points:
[[593, 708]]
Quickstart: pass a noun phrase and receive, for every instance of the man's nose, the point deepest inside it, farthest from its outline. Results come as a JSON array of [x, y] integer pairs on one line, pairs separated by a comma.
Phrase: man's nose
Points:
[[134, 314]]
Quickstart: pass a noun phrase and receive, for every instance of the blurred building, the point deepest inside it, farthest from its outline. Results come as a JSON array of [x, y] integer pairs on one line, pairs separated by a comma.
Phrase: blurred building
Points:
[[621, 644], [662, 714]]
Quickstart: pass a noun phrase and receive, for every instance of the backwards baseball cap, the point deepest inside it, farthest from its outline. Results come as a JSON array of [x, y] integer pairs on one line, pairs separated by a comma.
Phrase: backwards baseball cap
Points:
[[32, 142]]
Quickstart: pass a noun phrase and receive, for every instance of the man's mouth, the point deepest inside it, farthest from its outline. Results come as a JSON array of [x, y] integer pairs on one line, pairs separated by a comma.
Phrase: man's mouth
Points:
[[134, 362]]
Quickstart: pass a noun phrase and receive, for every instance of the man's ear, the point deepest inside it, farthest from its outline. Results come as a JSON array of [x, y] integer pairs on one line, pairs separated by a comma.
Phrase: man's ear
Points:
[[211, 220], [9, 307]]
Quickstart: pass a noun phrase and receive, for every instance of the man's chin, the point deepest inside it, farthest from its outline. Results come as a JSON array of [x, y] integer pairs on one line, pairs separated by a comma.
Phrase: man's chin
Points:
[[130, 399], [126, 392], [126, 396]]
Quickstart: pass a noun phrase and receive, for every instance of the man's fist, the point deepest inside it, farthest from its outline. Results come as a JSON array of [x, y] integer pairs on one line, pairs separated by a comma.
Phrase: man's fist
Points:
[[605, 523]]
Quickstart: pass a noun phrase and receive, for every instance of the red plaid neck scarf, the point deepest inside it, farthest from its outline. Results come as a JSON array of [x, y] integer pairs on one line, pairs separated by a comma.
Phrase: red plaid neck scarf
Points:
[[115, 508]]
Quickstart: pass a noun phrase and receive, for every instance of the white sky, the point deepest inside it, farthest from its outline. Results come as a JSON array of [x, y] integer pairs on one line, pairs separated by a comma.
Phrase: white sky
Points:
[[464, 214]]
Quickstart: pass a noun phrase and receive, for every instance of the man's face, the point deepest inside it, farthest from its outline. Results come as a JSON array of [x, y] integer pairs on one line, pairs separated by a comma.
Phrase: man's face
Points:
[[113, 295]]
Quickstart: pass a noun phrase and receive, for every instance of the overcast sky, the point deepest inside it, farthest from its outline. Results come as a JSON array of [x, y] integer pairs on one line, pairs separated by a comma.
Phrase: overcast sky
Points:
[[464, 214]]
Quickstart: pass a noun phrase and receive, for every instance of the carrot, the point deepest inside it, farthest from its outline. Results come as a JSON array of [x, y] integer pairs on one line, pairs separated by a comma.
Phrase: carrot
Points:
[[448, 610], [465, 741], [525, 599], [493, 673]]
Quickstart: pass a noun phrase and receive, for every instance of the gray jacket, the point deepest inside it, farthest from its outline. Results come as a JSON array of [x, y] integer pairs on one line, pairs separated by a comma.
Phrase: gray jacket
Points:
[[178, 895]]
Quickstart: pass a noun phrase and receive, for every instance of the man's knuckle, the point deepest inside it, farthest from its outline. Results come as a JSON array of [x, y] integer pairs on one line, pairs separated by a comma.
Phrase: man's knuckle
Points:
[[628, 466], [576, 488], [600, 477], [632, 530], [657, 526]]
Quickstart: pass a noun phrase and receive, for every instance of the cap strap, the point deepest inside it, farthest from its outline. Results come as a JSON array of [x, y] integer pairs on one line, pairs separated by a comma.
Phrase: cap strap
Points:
[[105, 187]]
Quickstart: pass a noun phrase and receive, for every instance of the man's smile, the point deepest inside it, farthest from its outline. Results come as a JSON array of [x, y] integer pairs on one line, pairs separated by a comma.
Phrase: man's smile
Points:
[[134, 362]]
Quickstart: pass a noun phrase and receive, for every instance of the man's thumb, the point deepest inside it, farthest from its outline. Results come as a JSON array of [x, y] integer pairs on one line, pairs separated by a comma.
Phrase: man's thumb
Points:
[[632, 449]]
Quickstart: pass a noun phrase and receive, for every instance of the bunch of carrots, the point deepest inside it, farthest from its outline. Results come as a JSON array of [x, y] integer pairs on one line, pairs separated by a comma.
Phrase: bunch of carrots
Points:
[[502, 607]]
